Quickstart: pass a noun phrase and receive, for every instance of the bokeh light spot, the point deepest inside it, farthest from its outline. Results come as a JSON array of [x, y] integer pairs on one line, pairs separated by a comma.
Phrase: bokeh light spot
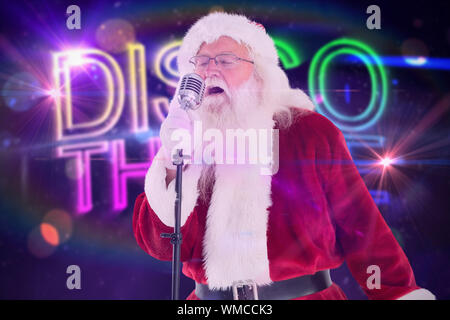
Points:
[[61, 222], [114, 35], [50, 234], [414, 48]]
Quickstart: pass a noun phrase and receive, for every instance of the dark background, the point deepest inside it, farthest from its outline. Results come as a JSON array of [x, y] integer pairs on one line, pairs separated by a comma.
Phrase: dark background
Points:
[[33, 182]]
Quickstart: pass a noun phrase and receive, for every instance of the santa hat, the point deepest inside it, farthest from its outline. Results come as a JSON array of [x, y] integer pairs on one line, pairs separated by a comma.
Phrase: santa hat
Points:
[[238, 27], [262, 48]]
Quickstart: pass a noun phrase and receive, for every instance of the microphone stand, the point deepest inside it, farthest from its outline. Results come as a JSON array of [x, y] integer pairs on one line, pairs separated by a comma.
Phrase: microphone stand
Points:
[[176, 237]]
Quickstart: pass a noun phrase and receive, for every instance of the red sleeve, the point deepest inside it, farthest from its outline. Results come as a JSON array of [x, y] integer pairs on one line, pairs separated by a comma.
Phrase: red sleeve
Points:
[[147, 228], [362, 234]]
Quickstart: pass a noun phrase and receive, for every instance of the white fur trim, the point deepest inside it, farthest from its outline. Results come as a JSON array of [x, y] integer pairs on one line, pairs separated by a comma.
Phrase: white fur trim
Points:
[[211, 27], [162, 199], [278, 91], [235, 242], [419, 294]]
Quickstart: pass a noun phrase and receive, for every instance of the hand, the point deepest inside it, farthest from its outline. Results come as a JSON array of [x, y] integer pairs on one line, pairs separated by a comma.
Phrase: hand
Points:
[[177, 119]]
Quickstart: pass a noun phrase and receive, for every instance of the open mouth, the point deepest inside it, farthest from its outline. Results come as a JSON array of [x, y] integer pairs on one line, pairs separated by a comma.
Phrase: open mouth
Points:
[[214, 91]]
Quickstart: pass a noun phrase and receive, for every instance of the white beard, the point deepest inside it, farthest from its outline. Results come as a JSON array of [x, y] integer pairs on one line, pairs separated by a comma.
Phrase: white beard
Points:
[[241, 108], [235, 242]]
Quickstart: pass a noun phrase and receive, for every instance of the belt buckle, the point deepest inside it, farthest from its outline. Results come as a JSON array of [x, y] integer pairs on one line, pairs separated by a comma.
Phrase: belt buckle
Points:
[[247, 286]]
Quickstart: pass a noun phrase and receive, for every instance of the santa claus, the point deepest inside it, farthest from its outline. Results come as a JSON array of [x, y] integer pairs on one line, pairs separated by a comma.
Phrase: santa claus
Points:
[[252, 234]]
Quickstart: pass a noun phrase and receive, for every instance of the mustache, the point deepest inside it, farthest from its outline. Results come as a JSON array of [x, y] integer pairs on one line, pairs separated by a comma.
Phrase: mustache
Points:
[[217, 82]]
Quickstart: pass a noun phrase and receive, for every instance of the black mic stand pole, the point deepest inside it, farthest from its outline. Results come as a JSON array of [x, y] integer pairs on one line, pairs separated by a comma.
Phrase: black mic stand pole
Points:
[[176, 237]]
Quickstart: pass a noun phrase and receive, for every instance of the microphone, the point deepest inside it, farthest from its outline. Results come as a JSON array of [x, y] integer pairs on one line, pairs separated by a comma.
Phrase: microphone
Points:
[[191, 91]]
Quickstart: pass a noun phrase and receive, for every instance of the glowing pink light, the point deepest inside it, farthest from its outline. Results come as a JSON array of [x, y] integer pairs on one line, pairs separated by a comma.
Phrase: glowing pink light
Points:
[[53, 93], [386, 162], [319, 98], [123, 171]]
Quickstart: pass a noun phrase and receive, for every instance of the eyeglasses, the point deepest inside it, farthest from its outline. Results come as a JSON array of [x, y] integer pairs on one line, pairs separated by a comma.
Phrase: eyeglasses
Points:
[[225, 61]]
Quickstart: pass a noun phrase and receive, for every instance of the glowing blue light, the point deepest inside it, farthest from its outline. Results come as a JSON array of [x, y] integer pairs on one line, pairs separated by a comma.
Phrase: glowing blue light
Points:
[[410, 62], [416, 61]]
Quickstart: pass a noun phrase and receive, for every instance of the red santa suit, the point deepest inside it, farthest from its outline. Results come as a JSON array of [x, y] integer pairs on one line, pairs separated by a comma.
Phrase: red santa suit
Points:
[[313, 214]]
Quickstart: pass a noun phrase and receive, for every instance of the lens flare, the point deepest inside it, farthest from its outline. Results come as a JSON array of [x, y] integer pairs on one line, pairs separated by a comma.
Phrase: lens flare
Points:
[[386, 162], [75, 58]]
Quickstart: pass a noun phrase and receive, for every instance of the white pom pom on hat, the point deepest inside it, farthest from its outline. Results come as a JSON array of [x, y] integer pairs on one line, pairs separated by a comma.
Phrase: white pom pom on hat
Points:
[[238, 27]]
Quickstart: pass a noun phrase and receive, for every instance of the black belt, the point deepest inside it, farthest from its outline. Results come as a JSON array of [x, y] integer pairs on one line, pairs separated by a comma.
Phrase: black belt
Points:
[[278, 290]]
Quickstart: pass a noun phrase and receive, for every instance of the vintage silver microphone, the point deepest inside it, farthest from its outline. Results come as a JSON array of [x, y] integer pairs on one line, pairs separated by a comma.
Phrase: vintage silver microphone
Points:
[[190, 95], [191, 91]]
